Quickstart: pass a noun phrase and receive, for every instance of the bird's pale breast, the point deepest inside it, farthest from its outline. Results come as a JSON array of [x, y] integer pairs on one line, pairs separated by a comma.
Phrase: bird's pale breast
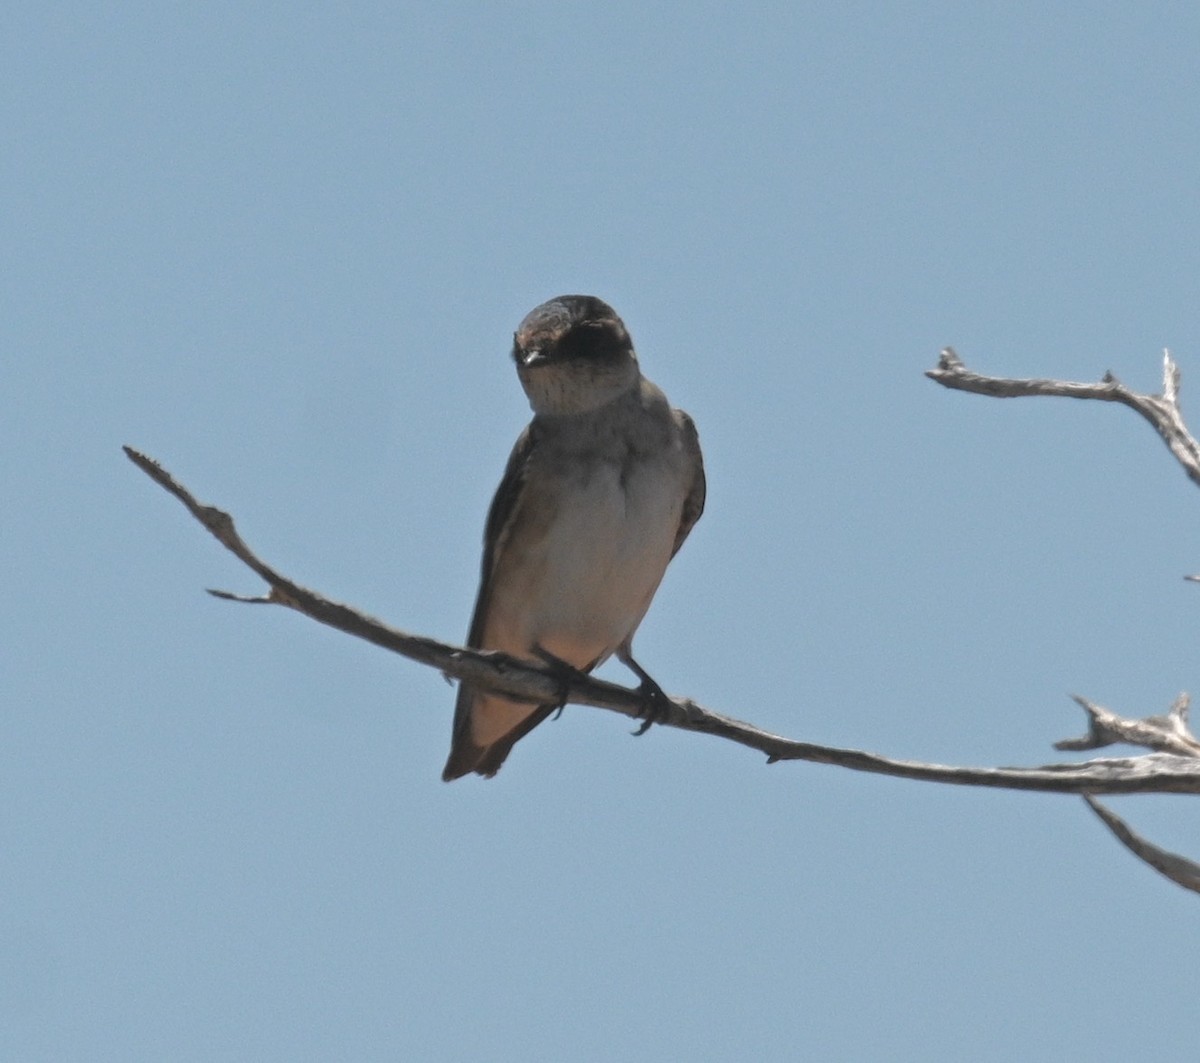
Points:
[[581, 585]]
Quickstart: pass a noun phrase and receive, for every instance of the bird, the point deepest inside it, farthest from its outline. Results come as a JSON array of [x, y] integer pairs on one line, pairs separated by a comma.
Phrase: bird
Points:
[[601, 490]]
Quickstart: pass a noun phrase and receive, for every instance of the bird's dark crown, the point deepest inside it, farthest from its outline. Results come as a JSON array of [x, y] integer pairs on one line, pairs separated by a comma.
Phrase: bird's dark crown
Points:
[[571, 327]]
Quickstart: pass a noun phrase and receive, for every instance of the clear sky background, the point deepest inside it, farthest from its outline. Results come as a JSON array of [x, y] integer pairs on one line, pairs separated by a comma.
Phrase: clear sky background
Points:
[[282, 248]]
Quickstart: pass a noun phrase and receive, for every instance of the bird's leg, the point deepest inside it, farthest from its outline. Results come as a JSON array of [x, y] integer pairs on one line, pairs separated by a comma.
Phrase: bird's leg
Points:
[[656, 704], [565, 673]]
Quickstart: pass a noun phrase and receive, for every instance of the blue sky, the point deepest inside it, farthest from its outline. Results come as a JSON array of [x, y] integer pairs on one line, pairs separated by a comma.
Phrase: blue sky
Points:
[[282, 248]]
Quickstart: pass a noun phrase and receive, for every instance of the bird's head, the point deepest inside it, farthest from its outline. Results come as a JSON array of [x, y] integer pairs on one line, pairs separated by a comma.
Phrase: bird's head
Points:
[[573, 354]]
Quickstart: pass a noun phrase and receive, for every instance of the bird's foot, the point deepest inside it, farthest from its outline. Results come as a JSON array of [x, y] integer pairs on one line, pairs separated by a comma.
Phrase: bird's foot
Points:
[[565, 674], [656, 705]]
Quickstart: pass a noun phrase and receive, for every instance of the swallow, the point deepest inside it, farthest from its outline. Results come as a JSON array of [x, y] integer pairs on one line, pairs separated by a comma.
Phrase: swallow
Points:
[[601, 489]]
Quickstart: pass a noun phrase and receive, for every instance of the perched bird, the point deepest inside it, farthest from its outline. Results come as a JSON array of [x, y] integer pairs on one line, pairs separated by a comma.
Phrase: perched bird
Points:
[[600, 491]]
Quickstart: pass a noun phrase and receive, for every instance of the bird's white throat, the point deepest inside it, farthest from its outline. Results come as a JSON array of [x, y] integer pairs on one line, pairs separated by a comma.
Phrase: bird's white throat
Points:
[[576, 386]]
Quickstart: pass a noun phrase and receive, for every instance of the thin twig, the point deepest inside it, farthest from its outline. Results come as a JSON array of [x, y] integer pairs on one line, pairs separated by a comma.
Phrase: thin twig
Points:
[[1177, 868], [1162, 411]]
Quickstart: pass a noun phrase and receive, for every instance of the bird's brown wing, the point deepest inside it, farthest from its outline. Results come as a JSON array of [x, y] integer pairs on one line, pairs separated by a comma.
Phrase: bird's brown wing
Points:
[[465, 755], [693, 503]]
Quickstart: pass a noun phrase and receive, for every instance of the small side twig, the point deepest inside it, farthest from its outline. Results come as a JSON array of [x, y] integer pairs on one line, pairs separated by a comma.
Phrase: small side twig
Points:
[[1175, 867], [1167, 733]]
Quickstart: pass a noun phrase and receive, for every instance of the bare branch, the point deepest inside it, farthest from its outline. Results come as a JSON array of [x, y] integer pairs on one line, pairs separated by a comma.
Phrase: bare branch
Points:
[[1177, 868], [1162, 411], [1168, 734], [1159, 772]]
